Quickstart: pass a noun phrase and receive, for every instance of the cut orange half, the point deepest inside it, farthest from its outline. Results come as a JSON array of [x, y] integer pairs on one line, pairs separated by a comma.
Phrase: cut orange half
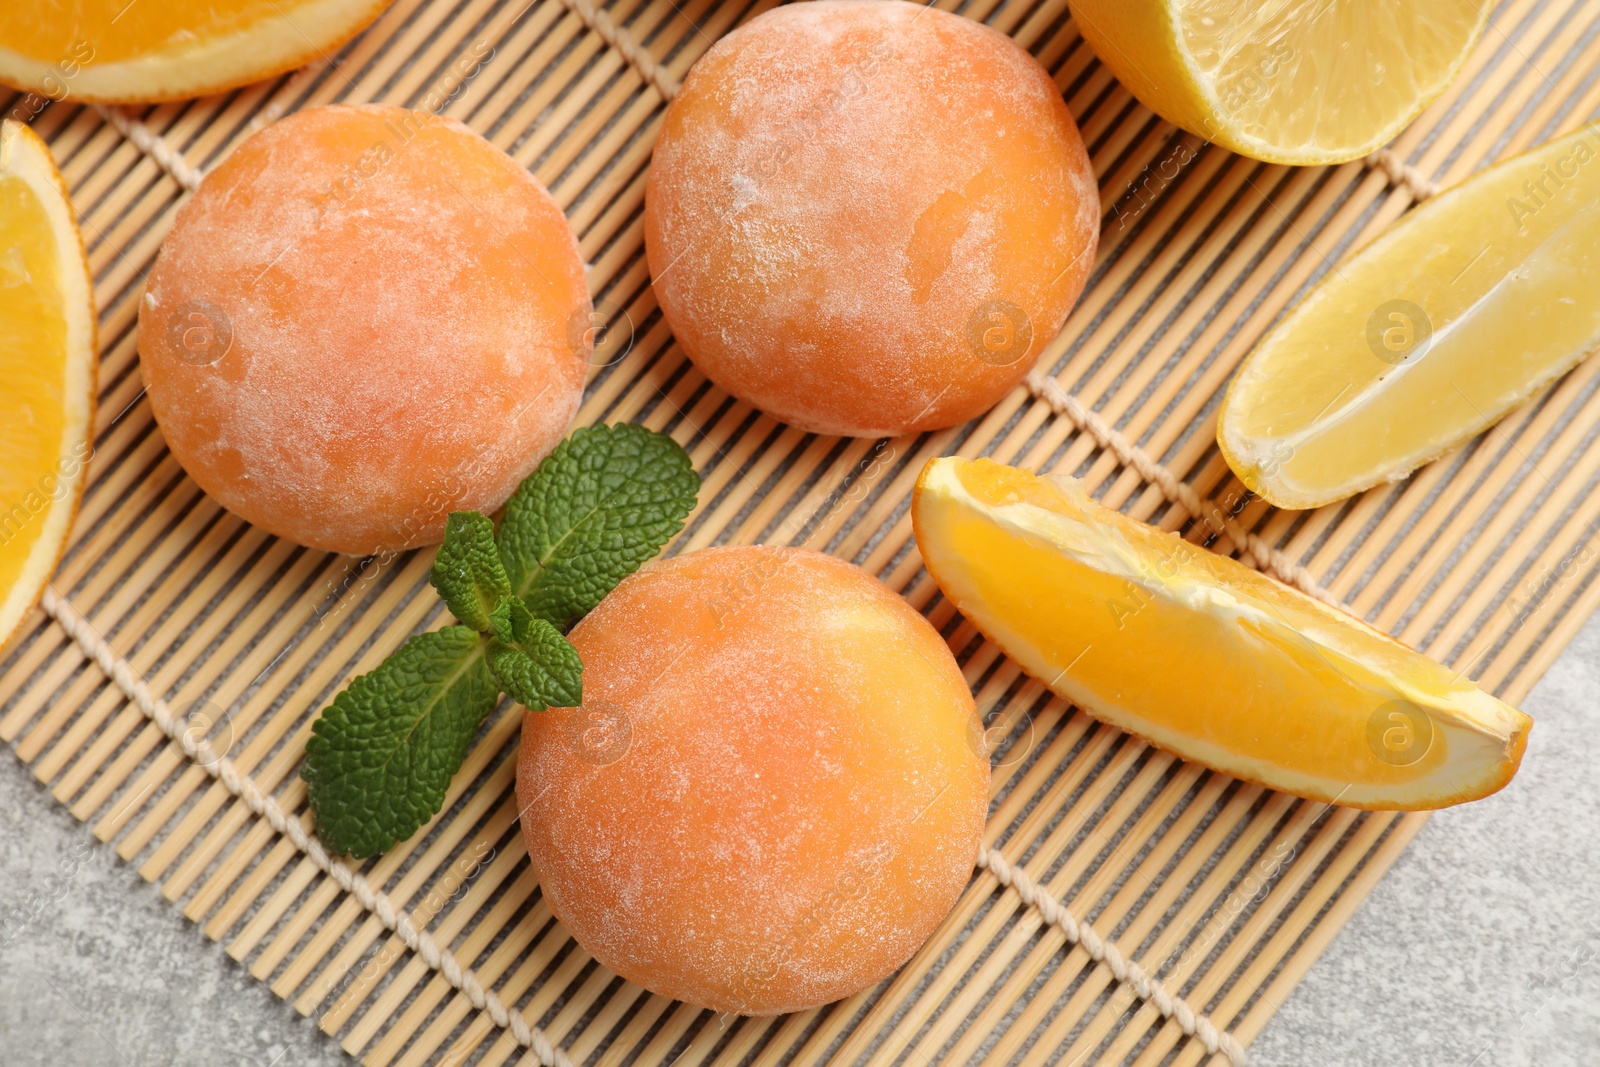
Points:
[[47, 362], [1201, 655], [1293, 81], [125, 51]]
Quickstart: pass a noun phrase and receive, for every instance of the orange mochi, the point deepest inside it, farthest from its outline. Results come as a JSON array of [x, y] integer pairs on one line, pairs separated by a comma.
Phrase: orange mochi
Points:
[[774, 791], [366, 318], [868, 217]]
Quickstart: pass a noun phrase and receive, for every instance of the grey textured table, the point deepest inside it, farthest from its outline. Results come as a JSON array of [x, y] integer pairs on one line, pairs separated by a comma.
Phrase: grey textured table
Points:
[[1481, 947]]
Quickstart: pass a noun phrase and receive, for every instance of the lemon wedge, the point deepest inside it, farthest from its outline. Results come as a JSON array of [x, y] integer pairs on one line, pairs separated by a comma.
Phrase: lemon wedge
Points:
[[122, 51], [47, 362], [1459, 312], [1291, 81], [1201, 655]]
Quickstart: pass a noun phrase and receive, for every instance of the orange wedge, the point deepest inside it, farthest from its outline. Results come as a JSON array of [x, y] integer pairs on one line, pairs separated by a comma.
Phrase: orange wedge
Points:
[[47, 362], [141, 50], [1201, 655]]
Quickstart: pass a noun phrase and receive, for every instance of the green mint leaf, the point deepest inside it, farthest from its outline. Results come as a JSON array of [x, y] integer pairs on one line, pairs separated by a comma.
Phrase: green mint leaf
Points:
[[381, 756], [500, 617], [601, 504], [467, 571], [535, 664]]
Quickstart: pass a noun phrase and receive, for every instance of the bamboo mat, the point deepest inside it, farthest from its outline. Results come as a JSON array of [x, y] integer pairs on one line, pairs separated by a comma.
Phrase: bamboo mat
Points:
[[1484, 559]]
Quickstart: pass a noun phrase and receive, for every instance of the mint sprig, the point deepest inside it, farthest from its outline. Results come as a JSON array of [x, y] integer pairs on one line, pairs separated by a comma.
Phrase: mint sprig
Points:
[[381, 756]]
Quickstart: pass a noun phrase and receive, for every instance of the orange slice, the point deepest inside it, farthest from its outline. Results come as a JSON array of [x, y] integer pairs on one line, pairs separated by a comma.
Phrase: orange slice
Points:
[[1202, 655], [140, 50], [47, 362]]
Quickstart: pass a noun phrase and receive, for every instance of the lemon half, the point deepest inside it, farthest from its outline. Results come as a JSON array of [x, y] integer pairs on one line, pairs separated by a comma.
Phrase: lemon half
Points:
[[1286, 81]]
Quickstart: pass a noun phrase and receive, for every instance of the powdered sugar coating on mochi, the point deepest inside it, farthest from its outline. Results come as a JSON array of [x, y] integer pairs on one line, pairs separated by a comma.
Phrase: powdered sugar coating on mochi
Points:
[[400, 296], [843, 190], [798, 803]]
